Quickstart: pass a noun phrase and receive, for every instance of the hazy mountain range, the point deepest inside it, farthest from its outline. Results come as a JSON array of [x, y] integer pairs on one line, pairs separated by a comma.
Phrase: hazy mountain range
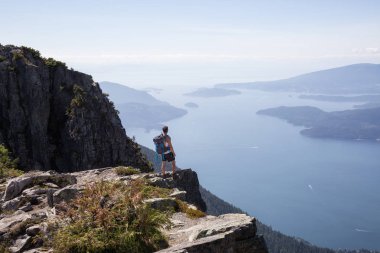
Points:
[[361, 78], [139, 108]]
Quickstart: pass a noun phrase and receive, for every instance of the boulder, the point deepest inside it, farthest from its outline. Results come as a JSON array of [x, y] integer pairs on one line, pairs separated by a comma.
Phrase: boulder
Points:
[[225, 233], [33, 230], [65, 194], [21, 244], [161, 182], [26, 208], [7, 222], [11, 205], [162, 204], [187, 180], [177, 194], [17, 185]]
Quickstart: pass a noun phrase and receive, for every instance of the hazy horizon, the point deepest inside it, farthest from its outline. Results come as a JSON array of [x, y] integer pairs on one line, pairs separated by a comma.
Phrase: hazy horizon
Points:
[[198, 43]]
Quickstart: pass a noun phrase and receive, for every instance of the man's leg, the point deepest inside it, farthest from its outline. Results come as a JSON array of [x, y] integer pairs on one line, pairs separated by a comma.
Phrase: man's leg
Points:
[[163, 167], [173, 167]]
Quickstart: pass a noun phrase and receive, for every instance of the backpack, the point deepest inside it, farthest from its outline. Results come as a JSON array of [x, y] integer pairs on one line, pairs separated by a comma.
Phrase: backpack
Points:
[[159, 143]]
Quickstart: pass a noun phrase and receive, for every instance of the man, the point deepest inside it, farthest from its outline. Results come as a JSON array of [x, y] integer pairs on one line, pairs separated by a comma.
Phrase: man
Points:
[[168, 155]]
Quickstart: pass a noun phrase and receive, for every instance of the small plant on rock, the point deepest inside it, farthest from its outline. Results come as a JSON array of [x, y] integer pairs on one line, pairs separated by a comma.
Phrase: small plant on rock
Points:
[[8, 166], [126, 171], [190, 212]]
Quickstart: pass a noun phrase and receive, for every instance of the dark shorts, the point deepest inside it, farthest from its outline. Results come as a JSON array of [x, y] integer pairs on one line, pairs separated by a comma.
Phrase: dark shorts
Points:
[[169, 157]]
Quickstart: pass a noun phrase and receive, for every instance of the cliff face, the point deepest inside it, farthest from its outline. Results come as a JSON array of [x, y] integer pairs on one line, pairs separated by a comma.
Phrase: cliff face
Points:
[[53, 118]]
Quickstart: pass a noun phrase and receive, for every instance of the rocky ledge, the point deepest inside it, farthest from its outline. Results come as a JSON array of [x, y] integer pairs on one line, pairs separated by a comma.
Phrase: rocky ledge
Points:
[[32, 202], [224, 233]]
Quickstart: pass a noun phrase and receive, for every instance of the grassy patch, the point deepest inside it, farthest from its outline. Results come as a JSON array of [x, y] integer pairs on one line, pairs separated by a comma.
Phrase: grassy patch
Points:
[[8, 166], [190, 212], [126, 171], [110, 217]]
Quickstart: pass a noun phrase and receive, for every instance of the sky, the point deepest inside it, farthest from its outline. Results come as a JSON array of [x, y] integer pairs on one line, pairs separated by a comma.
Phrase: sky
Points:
[[160, 43]]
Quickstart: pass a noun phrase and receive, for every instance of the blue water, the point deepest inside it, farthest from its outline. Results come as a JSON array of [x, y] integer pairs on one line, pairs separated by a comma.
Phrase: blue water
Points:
[[324, 191]]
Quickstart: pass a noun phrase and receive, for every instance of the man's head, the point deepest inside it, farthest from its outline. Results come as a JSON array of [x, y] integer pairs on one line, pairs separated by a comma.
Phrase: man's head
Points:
[[165, 129]]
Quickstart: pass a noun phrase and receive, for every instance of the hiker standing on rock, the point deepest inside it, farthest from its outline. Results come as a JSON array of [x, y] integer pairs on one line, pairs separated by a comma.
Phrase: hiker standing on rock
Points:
[[164, 147]]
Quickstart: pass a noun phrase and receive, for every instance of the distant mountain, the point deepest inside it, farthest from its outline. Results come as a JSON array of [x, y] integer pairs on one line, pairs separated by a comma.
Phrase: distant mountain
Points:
[[212, 92], [361, 98], [359, 124], [139, 108], [368, 105], [353, 79], [121, 94]]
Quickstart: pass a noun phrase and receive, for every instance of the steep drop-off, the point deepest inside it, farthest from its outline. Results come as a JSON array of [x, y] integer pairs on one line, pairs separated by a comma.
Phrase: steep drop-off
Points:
[[55, 118]]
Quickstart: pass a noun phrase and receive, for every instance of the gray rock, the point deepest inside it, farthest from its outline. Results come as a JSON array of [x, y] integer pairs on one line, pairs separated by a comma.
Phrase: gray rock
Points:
[[21, 244], [39, 250], [39, 215], [17, 185], [50, 198], [11, 205], [57, 118], [162, 204], [181, 195], [187, 180], [161, 182], [7, 222], [226, 233], [33, 230], [26, 208], [65, 194], [51, 185]]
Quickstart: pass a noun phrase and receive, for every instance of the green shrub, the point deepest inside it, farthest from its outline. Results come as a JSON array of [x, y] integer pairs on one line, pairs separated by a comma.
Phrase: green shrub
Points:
[[52, 63], [77, 100], [17, 56], [8, 166], [35, 53], [2, 58], [110, 217], [126, 171], [190, 212]]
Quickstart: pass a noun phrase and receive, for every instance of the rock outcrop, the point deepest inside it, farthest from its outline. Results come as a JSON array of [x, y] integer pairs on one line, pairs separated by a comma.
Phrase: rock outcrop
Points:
[[23, 228], [187, 181], [54, 118], [224, 233]]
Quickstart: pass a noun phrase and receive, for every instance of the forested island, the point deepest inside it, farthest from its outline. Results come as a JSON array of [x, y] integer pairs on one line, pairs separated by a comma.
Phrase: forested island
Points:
[[358, 124]]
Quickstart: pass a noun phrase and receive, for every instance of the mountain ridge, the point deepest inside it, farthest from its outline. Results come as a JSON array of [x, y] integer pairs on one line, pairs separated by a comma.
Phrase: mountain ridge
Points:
[[350, 79]]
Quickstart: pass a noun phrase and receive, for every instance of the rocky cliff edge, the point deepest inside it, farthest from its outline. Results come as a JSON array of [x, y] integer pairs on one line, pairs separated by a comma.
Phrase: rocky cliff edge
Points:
[[34, 200], [55, 118]]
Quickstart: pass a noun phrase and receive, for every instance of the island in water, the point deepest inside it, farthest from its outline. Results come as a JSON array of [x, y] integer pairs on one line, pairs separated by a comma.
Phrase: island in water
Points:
[[191, 105], [212, 92], [358, 124]]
